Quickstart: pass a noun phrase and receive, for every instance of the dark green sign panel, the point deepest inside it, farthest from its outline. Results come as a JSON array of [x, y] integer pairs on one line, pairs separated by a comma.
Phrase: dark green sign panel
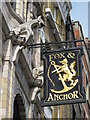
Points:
[[62, 77]]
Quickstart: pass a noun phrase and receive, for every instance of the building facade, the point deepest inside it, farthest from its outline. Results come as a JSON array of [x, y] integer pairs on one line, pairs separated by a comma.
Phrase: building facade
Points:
[[19, 84], [88, 20], [85, 107], [23, 23]]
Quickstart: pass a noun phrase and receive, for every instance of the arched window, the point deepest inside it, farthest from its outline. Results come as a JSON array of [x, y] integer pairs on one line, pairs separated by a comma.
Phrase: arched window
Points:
[[19, 110]]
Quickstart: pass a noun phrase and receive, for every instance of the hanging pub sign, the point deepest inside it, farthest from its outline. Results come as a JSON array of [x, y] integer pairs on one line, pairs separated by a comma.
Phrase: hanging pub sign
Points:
[[62, 77]]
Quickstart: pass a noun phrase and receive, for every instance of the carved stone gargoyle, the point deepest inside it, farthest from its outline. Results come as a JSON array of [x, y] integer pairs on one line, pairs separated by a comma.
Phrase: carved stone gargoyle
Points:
[[23, 33]]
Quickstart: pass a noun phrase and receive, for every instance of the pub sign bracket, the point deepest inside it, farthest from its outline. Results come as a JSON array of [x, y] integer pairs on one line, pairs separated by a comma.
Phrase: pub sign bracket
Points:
[[63, 83]]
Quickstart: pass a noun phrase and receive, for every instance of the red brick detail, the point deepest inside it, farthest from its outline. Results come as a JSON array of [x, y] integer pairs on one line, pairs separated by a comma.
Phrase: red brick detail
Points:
[[86, 67]]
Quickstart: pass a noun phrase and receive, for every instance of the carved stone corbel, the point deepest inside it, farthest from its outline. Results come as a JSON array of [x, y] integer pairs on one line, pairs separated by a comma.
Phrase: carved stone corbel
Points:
[[37, 74], [23, 33]]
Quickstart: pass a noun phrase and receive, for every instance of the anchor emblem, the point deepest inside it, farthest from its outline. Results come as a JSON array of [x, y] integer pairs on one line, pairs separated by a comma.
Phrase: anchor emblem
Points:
[[67, 75]]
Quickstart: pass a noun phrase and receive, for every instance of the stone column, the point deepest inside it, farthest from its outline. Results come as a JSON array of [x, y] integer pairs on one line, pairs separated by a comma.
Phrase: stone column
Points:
[[60, 111], [21, 8], [5, 81], [65, 111], [77, 110], [55, 112], [25, 9], [28, 12], [11, 91], [0, 44], [36, 52], [0, 71], [17, 6]]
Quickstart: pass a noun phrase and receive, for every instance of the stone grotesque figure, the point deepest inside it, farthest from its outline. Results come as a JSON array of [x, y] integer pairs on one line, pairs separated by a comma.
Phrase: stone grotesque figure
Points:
[[23, 34]]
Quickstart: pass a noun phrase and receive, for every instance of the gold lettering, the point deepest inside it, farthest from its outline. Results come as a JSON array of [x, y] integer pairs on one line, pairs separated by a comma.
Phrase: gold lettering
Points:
[[70, 95], [56, 56], [62, 55], [55, 97], [71, 55], [50, 58], [50, 97], [75, 94], [60, 97], [66, 96]]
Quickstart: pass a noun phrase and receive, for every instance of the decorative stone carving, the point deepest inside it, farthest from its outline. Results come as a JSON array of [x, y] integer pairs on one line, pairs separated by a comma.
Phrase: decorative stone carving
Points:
[[38, 83], [23, 33], [37, 74]]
